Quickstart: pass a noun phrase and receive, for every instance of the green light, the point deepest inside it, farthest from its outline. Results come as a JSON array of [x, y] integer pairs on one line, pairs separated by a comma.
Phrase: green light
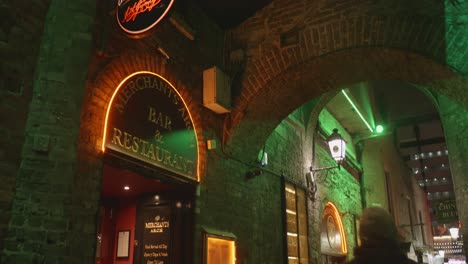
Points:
[[379, 128], [357, 111]]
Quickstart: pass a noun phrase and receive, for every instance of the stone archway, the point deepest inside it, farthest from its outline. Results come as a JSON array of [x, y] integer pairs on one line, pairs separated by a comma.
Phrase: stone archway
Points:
[[323, 76], [311, 79], [286, 41], [299, 51]]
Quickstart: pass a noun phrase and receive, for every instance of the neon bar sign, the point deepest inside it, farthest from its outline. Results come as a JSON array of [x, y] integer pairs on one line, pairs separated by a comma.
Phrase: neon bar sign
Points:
[[138, 16], [147, 120]]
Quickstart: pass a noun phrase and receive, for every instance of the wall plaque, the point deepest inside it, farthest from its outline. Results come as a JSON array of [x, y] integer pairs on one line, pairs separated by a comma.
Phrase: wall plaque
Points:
[[138, 16], [147, 120]]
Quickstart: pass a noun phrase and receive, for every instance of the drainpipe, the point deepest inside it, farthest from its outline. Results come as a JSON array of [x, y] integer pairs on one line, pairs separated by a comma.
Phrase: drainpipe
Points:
[[359, 150]]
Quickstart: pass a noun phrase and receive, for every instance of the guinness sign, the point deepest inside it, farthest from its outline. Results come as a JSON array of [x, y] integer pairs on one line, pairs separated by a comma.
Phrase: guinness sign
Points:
[[446, 211], [147, 120], [138, 16]]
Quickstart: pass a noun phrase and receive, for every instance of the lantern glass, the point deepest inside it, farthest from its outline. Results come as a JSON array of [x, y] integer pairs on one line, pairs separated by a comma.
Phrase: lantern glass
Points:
[[337, 146]]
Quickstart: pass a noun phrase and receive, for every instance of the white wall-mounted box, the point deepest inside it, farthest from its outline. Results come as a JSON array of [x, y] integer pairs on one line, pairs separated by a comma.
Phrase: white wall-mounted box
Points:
[[216, 90]]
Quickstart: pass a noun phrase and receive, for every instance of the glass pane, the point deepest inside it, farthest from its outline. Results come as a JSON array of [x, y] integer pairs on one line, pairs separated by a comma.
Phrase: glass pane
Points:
[[291, 223], [302, 217], [290, 197], [292, 246], [296, 224], [303, 248]]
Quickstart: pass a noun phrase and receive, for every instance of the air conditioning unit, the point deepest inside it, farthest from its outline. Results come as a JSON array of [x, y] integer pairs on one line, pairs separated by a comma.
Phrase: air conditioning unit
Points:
[[216, 90]]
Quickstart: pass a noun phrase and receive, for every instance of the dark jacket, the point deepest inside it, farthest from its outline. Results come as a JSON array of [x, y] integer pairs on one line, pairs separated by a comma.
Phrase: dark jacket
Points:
[[380, 252]]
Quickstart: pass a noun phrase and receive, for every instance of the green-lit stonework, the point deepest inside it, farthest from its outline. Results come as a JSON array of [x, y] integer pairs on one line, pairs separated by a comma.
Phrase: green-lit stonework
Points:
[[61, 62]]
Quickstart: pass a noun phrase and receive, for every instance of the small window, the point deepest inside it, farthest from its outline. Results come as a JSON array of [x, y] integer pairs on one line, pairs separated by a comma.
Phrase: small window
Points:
[[296, 224]]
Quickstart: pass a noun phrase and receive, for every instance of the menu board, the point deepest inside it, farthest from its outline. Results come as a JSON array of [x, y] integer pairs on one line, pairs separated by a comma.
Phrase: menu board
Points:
[[156, 235]]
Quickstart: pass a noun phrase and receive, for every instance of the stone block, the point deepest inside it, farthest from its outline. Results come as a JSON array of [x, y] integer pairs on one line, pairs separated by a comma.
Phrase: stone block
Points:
[[41, 143], [20, 258], [56, 224], [17, 220], [31, 235]]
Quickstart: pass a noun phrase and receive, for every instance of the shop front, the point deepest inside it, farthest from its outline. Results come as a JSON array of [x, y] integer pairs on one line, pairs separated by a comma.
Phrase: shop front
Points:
[[149, 175]]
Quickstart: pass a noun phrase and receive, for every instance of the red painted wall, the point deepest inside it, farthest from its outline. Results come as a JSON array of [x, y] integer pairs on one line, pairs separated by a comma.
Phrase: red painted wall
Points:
[[125, 220], [106, 230]]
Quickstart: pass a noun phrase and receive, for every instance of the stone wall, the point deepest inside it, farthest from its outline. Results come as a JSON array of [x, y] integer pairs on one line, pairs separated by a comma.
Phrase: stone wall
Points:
[[40, 215], [251, 207], [337, 186], [453, 117], [20, 36], [298, 50], [380, 160], [59, 161], [58, 186]]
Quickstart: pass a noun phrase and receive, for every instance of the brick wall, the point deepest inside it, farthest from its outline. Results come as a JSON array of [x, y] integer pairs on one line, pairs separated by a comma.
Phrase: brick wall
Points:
[[297, 51], [58, 183], [116, 57], [251, 208], [340, 44], [290, 152], [20, 34]]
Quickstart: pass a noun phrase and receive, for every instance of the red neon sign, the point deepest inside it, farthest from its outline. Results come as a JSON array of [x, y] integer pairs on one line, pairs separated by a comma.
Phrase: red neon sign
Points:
[[138, 16], [139, 7]]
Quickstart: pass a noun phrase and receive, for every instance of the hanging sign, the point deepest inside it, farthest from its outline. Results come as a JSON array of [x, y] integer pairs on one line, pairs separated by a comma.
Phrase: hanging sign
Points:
[[139, 16], [147, 120]]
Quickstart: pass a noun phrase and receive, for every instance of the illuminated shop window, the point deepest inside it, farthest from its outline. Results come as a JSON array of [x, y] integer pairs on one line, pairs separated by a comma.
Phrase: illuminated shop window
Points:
[[220, 247], [296, 224]]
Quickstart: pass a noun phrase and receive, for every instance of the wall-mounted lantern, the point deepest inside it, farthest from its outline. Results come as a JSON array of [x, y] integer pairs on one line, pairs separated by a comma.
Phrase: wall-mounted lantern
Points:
[[337, 146]]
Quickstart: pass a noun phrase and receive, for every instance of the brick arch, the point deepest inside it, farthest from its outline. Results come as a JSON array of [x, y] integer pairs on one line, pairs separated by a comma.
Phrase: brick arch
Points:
[[319, 29], [269, 60], [323, 27], [100, 92], [321, 77]]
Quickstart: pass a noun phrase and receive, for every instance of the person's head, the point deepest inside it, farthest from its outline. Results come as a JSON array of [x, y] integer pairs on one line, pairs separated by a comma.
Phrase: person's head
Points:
[[377, 225]]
